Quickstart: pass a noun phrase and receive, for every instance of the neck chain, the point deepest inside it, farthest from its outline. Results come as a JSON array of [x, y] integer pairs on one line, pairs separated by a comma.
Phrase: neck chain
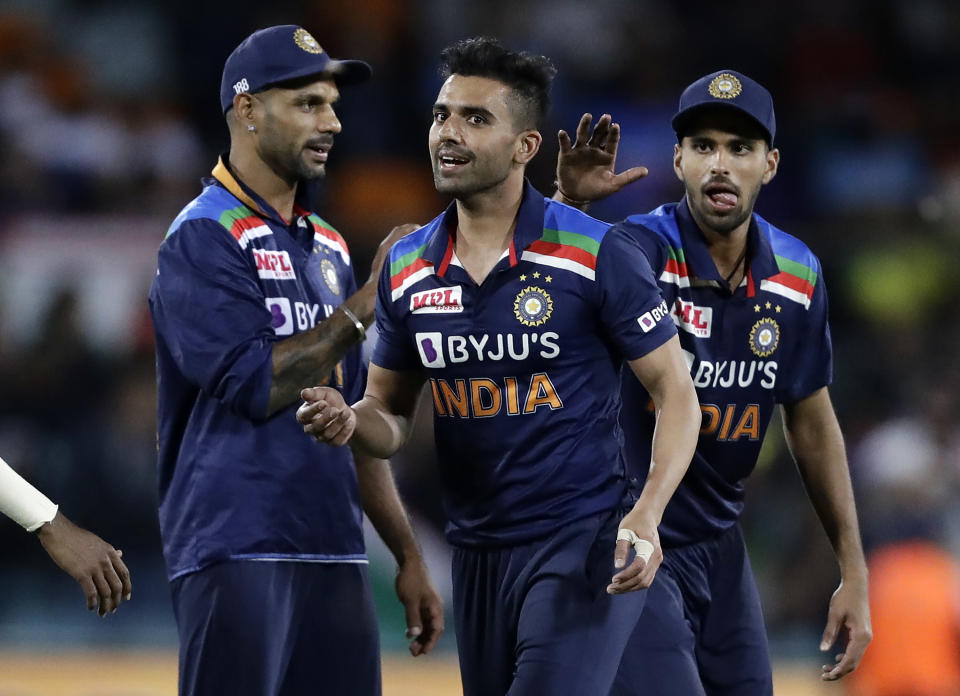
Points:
[[736, 266]]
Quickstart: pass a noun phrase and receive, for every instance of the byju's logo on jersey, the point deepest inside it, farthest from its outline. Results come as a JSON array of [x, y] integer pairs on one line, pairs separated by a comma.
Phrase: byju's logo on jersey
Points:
[[436, 350], [532, 306], [648, 320], [693, 318], [274, 265], [764, 337], [430, 345], [440, 301], [282, 316]]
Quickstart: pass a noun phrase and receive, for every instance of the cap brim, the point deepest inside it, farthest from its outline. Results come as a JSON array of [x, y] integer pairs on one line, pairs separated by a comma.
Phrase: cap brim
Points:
[[343, 72], [349, 72], [682, 117]]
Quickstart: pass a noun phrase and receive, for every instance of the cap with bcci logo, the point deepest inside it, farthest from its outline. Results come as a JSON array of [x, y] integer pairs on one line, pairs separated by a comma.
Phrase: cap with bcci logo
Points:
[[277, 54], [732, 90]]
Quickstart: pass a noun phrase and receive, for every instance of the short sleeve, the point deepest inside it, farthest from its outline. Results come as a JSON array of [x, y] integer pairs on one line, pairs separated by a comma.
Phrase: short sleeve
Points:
[[211, 315], [632, 309], [811, 364], [394, 349]]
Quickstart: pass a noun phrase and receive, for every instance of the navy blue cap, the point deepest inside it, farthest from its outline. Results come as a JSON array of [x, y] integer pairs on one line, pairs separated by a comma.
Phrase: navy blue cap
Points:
[[276, 54], [729, 89]]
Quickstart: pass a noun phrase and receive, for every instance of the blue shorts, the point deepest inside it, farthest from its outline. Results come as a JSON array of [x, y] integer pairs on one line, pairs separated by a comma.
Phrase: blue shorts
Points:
[[535, 619], [277, 629], [702, 630]]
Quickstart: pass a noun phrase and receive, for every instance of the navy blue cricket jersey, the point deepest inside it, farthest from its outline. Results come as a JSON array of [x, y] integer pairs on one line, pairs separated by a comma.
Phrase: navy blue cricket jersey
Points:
[[523, 368], [233, 278], [767, 343]]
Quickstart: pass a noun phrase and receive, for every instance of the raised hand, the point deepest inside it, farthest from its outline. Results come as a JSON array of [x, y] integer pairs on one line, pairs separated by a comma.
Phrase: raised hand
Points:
[[585, 168]]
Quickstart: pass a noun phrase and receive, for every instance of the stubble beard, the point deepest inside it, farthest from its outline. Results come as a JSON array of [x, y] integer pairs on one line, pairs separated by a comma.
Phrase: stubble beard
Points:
[[287, 160], [723, 224], [480, 180]]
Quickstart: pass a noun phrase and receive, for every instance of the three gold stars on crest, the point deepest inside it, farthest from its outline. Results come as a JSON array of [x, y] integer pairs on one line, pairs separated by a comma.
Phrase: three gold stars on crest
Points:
[[767, 305]]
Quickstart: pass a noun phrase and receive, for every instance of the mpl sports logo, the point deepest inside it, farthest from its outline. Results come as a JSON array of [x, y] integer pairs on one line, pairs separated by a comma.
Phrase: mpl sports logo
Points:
[[274, 265], [440, 301], [648, 320], [693, 318]]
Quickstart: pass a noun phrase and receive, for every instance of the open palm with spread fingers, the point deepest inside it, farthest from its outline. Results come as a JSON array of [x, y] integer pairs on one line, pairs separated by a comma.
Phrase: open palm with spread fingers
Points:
[[585, 168]]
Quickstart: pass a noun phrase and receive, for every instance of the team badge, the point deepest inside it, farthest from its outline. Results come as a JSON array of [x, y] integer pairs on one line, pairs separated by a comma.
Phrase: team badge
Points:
[[764, 337], [725, 86], [329, 273], [533, 306], [306, 42]]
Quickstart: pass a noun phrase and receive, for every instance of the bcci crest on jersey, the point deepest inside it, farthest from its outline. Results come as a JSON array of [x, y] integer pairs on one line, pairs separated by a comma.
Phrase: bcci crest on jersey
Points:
[[533, 306], [329, 273], [764, 337]]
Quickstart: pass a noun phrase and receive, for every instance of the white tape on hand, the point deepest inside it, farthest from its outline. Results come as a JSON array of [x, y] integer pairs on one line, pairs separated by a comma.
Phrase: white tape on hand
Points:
[[642, 547]]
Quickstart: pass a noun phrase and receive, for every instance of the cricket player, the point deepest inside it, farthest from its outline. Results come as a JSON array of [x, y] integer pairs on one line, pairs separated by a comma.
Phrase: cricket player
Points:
[[511, 307], [750, 306], [255, 297]]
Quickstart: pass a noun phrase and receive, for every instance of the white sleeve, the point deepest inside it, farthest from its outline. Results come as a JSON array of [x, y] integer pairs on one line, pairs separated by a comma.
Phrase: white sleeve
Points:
[[21, 502]]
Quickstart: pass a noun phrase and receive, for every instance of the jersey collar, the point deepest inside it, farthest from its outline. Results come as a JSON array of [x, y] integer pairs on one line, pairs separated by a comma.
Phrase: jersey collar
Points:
[[529, 228], [223, 175], [760, 258]]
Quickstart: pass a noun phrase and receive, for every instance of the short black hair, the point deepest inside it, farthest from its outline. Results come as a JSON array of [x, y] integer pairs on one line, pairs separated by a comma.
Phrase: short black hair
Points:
[[529, 75]]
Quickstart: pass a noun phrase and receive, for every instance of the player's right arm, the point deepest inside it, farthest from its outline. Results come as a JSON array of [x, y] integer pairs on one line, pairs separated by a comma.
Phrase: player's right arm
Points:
[[84, 556], [379, 424], [309, 356], [209, 311]]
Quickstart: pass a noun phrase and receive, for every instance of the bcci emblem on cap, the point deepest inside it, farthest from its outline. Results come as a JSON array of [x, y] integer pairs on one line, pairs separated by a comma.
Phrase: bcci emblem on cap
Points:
[[725, 86], [533, 306], [305, 41], [764, 337]]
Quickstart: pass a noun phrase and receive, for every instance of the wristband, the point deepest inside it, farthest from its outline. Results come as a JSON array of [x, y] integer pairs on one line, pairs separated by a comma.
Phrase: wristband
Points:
[[574, 201], [23, 503], [362, 332]]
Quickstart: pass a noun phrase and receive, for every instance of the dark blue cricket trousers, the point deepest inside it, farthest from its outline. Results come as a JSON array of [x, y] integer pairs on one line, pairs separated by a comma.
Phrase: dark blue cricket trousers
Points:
[[701, 632], [253, 628], [535, 619]]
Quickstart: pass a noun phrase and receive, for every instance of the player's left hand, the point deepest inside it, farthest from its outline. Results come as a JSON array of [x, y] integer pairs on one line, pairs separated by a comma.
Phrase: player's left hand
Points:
[[849, 614], [585, 167], [423, 606], [640, 573]]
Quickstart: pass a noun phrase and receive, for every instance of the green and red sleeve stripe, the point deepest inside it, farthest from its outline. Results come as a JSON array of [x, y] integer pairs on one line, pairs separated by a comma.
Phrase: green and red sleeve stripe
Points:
[[328, 237], [568, 250], [675, 271], [795, 281], [407, 269]]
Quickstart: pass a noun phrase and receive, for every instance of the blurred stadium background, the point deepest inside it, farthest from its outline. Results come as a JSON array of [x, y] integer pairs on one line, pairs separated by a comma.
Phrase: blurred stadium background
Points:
[[109, 116]]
